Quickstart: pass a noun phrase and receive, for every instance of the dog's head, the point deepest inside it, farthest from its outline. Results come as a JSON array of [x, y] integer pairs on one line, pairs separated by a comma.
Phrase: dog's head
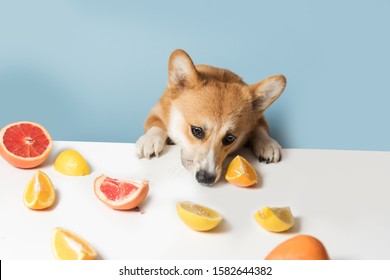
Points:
[[213, 112]]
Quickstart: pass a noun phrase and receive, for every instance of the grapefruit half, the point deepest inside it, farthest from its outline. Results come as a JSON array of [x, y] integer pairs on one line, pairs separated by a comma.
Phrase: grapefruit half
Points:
[[25, 144], [121, 194]]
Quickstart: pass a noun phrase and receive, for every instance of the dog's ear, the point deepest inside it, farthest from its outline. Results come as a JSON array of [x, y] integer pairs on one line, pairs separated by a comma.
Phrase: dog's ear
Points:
[[267, 91], [181, 71]]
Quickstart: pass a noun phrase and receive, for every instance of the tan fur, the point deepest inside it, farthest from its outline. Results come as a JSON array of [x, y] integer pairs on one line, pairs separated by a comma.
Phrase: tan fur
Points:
[[218, 101]]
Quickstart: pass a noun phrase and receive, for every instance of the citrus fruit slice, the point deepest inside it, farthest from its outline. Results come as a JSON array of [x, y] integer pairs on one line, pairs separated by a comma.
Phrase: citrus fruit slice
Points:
[[68, 245], [275, 219], [300, 247], [241, 173], [25, 144], [121, 194], [39, 192], [70, 162], [198, 217]]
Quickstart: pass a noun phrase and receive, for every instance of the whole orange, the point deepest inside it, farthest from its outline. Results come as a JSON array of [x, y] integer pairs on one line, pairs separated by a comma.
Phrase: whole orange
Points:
[[300, 247]]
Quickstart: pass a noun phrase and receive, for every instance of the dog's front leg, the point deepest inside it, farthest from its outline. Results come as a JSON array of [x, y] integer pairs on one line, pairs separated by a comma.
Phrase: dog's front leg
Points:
[[264, 147], [154, 139]]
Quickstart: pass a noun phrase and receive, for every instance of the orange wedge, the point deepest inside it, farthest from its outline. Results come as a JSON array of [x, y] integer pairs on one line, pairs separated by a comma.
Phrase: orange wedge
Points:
[[39, 192], [241, 173], [68, 245]]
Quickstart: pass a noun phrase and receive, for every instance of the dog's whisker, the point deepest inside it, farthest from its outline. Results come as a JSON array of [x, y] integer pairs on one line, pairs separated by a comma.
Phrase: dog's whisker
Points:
[[178, 172]]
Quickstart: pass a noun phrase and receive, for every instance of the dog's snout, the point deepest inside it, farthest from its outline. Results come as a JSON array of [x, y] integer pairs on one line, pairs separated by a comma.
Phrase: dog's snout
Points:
[[205, 178]]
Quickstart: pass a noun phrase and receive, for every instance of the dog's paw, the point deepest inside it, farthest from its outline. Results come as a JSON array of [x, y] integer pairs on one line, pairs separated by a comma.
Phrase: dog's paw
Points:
[[151, 143], [268, 151]]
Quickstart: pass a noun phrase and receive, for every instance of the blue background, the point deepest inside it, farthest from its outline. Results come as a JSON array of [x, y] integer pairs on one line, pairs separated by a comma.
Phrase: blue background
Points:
[[92, 70]]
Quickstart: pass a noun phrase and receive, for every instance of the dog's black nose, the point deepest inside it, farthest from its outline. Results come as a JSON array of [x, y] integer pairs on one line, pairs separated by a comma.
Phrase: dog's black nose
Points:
[[205, 178]]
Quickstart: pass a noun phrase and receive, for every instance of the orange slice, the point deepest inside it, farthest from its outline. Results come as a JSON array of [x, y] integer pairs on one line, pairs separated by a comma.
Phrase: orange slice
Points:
[[39, 192], [25, 144], [68, 245], [241, 173]]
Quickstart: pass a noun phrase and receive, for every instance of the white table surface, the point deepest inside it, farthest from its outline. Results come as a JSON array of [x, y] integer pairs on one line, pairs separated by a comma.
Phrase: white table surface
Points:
[[341, 197]]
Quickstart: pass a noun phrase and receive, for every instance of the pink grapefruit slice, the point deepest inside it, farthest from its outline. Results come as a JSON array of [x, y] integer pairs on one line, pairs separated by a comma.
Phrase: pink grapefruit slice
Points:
[[25, 144], [121, 194]]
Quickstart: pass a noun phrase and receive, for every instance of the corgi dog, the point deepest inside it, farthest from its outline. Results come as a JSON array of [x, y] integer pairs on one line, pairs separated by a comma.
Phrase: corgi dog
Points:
[[210, 112]]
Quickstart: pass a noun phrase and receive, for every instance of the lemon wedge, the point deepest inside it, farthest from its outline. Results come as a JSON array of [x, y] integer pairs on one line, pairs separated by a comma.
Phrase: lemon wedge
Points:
[[275, 219], [241, 173], [198, 217], [71, 163]]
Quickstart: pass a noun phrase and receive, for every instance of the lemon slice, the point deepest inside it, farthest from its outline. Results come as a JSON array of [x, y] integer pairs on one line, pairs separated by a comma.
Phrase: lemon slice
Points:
[[198, 217], [39, 192], [241, 173], [71, 163], [68, 245], [275, 219]]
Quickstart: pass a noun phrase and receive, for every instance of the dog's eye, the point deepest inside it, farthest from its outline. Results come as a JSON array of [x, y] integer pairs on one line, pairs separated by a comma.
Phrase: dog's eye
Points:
[[228, 139], [197, 132]]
